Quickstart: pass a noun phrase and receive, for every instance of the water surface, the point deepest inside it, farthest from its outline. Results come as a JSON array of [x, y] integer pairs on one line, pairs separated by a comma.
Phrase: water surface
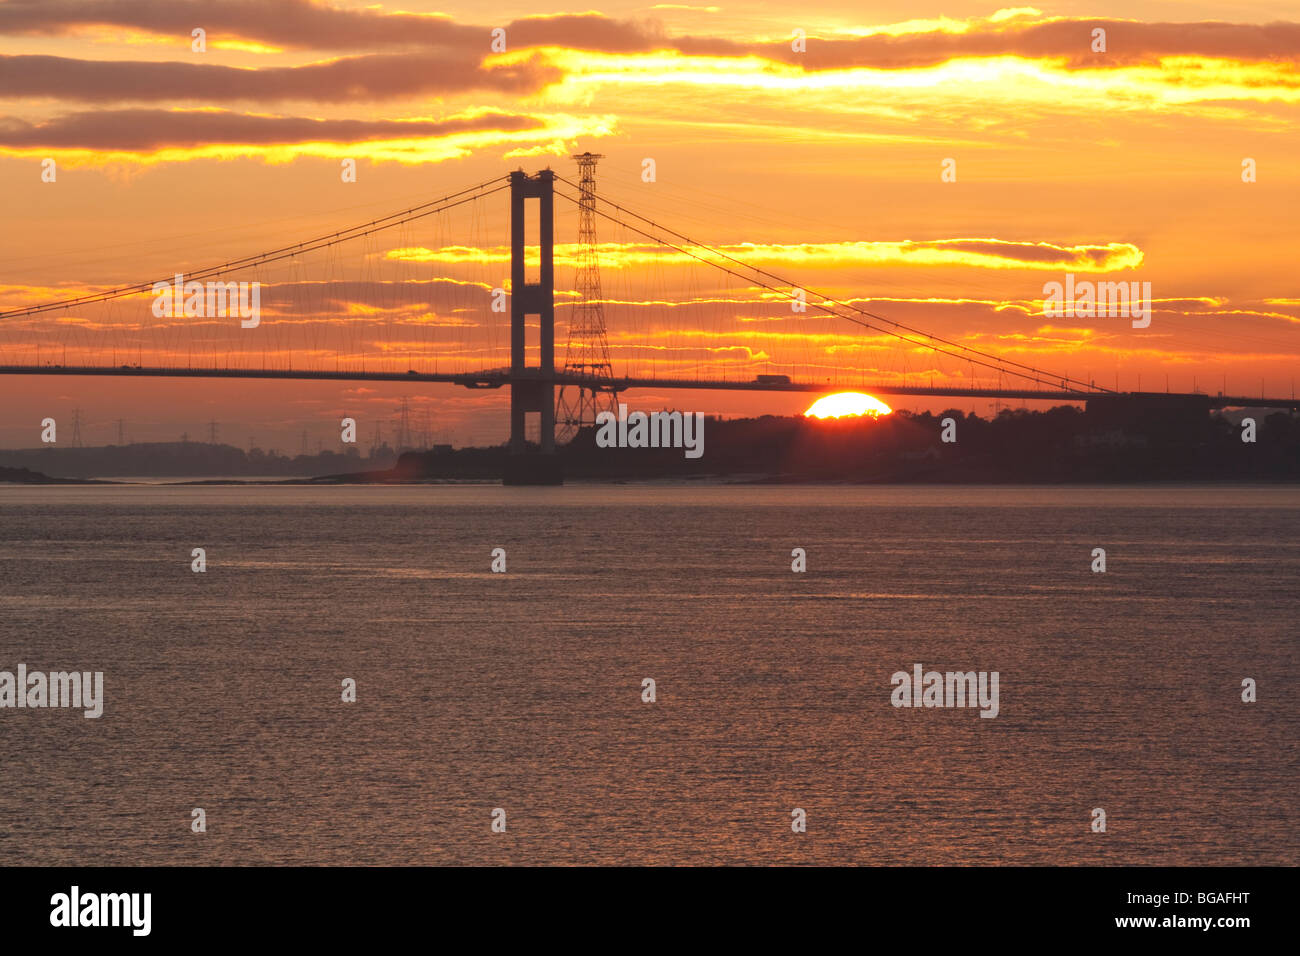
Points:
[[523, 690]]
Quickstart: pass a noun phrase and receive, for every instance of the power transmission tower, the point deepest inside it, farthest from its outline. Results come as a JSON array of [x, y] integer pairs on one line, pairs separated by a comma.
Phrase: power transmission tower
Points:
[[404, 428], [587, 353], [76, 428], [121, 432], [212, 432]]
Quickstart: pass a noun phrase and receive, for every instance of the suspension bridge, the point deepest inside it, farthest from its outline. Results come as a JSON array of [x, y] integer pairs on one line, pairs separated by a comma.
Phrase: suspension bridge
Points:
[[449, 324]]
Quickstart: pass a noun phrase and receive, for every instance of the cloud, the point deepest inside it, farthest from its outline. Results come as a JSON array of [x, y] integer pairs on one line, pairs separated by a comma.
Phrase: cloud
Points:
[[301, 24], [144, 130], [979, 253], [286, 23], [1127, 43], [433, 55], [375, 77]]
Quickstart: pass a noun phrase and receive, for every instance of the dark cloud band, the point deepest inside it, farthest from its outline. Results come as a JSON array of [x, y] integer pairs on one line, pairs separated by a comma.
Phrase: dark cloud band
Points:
[[142, 130], [376, 77], [301, 24]]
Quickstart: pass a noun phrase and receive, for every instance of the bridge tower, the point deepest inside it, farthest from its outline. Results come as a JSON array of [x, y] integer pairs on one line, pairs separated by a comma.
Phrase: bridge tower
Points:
[[587, 353], [532, 389]]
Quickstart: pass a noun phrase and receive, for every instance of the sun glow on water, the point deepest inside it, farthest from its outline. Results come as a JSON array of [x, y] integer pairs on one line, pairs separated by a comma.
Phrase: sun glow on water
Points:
[[847, 404]]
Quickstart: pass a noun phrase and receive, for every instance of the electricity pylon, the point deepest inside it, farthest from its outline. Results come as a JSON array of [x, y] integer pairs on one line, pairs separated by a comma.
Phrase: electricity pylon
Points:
[[587, 353]]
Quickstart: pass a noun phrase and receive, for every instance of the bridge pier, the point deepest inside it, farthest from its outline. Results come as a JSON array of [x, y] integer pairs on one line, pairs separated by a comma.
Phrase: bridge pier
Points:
[[532, 389]]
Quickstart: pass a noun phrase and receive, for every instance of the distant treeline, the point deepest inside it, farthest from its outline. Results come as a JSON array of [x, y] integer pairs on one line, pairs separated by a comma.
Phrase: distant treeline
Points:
[[24, 476], [184, 460], [1116, 441]]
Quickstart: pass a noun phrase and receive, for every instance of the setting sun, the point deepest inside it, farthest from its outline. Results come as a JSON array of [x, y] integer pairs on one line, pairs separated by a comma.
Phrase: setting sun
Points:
[[845, 404]]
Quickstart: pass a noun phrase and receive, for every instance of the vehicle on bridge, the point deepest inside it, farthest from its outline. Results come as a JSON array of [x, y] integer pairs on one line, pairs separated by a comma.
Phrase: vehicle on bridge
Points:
[[772, 379]]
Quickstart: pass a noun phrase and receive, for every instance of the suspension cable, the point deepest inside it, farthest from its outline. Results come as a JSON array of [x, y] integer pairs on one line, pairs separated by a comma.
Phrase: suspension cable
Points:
[[309, 245], [1038, 375]]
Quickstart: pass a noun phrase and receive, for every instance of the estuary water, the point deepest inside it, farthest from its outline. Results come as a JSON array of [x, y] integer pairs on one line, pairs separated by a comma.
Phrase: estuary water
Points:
[[523, 690]]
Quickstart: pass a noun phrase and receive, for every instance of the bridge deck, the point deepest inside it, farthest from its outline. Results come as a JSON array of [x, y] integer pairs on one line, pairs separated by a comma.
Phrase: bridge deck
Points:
[[496, 378]]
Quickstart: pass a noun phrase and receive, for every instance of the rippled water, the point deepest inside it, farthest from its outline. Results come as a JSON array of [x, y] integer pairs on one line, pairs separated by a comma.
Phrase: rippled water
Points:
[[523, 690]]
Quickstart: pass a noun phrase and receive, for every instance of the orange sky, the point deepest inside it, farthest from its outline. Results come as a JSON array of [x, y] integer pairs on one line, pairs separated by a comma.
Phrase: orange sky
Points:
[[823, 166]]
